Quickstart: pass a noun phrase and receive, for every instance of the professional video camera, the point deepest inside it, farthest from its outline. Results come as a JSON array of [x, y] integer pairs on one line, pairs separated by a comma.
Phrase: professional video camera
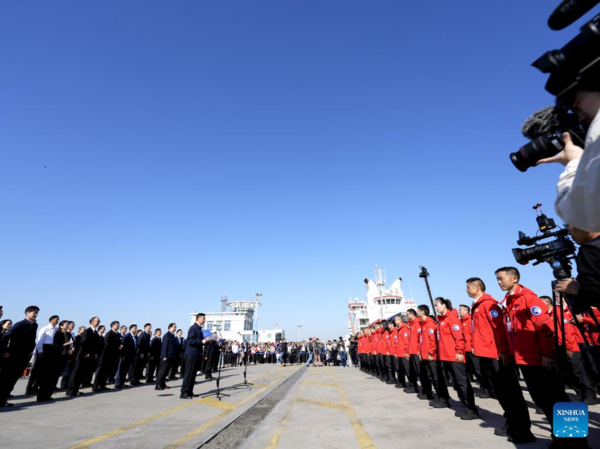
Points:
[[574, 64], [558, 252], [544, 128]]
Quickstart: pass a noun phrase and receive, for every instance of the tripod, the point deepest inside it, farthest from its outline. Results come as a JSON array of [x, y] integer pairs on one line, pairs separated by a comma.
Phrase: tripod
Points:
[[245, 383], [218, 393]]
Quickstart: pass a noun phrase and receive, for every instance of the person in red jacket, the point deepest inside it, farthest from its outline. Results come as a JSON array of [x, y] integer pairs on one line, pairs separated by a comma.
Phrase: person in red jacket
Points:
[[376, 334], [393, 358], [428, 367], [402, 355], [490, 350], [451, 355], [473, 367], [414, 350], [531, 337], [383, 350]]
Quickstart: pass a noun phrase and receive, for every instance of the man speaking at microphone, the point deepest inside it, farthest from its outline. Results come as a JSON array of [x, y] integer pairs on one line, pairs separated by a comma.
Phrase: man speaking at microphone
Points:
[[193, 351]]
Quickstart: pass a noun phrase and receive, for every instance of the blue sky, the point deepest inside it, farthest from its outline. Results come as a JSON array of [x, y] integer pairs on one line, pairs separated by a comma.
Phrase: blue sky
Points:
[[195, 149]]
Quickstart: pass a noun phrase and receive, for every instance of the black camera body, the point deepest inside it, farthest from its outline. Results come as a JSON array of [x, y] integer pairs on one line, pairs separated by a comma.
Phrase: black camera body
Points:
[[557, 252]]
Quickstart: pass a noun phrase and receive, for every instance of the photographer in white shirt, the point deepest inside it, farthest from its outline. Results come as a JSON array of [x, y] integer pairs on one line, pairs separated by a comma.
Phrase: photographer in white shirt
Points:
[[578, 202]]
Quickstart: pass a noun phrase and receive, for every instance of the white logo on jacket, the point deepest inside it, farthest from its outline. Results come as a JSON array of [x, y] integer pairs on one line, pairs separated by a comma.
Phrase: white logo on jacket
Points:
[[535, 310], [456, 327]]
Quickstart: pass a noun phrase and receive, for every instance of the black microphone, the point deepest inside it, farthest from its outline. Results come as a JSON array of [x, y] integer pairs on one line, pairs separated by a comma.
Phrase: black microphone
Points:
[[568, 12]]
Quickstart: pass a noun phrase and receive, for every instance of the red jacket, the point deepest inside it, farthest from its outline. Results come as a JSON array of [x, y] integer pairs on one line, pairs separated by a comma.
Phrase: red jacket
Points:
[[466, 328], [384, 342], [394, 341], [451, 340], [403, 338], [428, 339], [530, 328], [375, 341], [414, 341], [569, 316], [488, 332], [368, 344], [592, 332], [571, 340]]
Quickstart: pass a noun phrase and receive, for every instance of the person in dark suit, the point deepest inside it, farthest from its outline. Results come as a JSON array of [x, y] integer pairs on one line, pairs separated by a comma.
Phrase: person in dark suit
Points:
[[115, 368], [63, 347], [177, 366], [64, 383], [87, 356], [16, 348], [154, 356], [141, 359], [208, 354], [113, 343], [193, 350], [169, 356], [127, 356]]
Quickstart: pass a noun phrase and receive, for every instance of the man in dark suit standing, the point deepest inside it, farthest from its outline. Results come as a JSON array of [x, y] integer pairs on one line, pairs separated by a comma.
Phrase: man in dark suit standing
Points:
[[127, 356], [169, 356], [113, 343], [154, 356], [141, 359], [16, 348], [66, 375], [179, 365], [193, 350], [87, 356]]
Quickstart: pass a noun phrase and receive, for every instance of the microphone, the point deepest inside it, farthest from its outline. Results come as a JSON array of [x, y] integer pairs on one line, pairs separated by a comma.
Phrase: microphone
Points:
[[568, 12]]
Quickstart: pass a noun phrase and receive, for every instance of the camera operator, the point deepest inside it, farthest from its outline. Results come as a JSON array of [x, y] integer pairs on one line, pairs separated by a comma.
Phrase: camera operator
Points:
[[579, 184], [586, 288]]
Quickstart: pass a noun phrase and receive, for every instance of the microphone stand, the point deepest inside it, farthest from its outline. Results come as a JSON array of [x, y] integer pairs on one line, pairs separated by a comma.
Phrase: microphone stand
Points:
[[245, 383], [218, 393]]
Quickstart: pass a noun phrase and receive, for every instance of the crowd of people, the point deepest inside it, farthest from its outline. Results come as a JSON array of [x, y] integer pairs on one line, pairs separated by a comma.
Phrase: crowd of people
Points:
[[65, 358], [493, 344]]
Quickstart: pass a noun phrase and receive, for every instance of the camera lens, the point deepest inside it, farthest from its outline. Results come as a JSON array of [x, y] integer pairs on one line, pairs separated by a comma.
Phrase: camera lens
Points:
[[540, 148]]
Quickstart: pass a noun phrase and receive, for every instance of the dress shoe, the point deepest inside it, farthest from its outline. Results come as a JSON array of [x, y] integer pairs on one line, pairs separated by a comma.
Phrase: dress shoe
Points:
[[469, 415], [186, 396], [521, 437]]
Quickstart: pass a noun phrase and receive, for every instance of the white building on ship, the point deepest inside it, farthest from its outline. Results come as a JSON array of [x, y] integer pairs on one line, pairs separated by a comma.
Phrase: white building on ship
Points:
[[381, 302]]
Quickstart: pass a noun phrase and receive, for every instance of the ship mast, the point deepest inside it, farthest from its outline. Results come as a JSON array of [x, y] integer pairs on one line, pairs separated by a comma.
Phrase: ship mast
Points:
[[380, 282]]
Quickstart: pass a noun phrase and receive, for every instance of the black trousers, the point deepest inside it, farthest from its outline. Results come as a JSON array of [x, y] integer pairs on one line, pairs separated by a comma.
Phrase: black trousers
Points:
[[543, 388], [33, 384], [152, 368], [124, 367], [508, 393], [189, 376], [414, 369], [474, 368], [432, 376], [105, 367], [458, 374], [66, 375], [138, 367], [82, 366], [12, 370], [163, 370], [383, 369], [47, 374]]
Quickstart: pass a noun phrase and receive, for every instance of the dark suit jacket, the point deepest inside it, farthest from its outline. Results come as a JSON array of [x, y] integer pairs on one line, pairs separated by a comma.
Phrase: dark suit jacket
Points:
[[193, 342], [92, 344], [112, 341], [19, 340], [60, 338], [128, 346], [155, 347], [170, 347], [144, 344]]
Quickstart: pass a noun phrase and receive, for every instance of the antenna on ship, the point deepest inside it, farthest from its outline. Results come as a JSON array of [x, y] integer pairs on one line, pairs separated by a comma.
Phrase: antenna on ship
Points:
[[380, 282]]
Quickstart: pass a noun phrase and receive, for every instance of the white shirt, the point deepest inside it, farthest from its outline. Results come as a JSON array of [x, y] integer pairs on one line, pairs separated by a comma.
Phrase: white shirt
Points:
[[235, 349], [45, 337], [579, 185]]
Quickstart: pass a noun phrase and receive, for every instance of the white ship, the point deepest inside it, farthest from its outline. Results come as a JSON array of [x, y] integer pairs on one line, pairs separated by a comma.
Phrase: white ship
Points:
[[381, 303]]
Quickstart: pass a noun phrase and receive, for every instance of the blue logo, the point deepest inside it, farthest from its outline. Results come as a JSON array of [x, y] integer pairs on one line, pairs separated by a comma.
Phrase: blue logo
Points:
[[535, 310], [431, 331], [494, 313], [570, 420], [456, 327]]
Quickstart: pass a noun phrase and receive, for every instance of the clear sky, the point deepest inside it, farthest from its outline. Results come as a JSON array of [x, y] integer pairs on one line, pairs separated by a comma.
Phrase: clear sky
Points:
[[156, 155]]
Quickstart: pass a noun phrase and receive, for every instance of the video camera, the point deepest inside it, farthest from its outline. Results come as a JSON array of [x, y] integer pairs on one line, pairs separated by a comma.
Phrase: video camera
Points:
[[557, 252], [575, 63]]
